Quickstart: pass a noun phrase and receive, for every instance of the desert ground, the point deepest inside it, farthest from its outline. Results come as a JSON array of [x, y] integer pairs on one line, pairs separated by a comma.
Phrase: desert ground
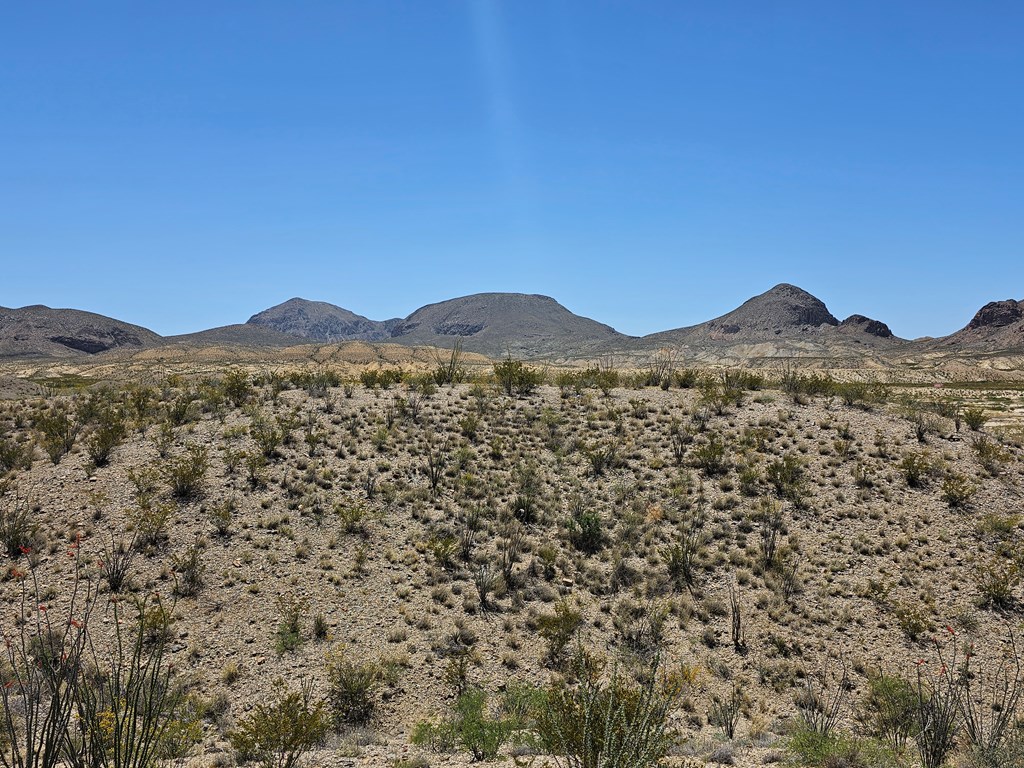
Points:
[[766, 557]]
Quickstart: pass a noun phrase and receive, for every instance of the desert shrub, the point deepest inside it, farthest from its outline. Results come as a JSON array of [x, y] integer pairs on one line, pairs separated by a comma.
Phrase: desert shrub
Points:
[[683, 557], [602, 457], [289, 627], [41, 662], [641, 626], [237, 387], [937, 710], [117, 563], [221, 515], [371, 378], [974, 418], [710, 456], [917, 467], [190, 570], [58, 431], [109, 430], [912, 619], [989, 700], [150, 522], [890, 709], [838, 750], [800, 385], [450, 370], [990, 454], [996, 581], [185, 474], [128, 703], [819, 703], [14, 455], [469, 727], [859, 394], [771, 522], [559, 628], [516, 378], [351, 690], [724, 711], [585, 528], [957, 490], [786, 476], [18, 528], [277, 733], [267, 435], [593, 723]]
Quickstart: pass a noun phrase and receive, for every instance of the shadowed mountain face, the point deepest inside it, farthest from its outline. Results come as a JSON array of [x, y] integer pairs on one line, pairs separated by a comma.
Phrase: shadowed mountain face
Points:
[[861, 324], [495, 324], [39, 331], [320, 321]]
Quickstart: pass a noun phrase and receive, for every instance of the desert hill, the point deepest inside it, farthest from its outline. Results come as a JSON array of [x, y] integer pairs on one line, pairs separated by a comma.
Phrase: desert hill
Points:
[[39, 331], [783, 323], [320, 321], [783, 314], [997, 325], [495, 324]]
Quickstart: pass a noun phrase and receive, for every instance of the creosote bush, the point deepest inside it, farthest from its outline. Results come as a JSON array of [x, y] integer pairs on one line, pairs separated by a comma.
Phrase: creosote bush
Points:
[[277, 733]]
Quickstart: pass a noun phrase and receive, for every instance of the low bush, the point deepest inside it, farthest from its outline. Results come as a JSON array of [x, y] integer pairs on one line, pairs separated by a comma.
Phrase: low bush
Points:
[[599, 723], [279, 732]]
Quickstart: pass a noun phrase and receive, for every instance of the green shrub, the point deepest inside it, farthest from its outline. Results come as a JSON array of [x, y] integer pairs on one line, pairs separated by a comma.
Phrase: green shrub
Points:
[[289, 627], [710, 456], [278, 733], [469, 727], [997, 581], [593, 723], [917, 467], [190, 569], [14, 455], [57, 432], [18, 528], [974, 418], [890, 709], [150, 522], [838, 751], [237, 387], [957, 490], [106, 435], [186, 473], [351, 690], [515, 378], [786, 476], [586, 529], [559, 628]]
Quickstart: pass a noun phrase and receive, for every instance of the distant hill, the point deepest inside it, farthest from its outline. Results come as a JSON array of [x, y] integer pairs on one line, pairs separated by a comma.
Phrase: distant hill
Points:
[[785, 321], [320, 321], [495, 324], [240, 335], [997, 326], [39, 331]]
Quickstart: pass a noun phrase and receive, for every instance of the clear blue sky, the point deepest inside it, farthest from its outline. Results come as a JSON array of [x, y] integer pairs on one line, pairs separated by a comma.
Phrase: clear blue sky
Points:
[[185, 164]]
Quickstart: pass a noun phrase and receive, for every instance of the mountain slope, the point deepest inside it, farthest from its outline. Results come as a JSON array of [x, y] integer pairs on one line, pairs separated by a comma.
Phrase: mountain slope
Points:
[[320, 321], [997, 325], [495, 324], [39, 331], [785, 321]]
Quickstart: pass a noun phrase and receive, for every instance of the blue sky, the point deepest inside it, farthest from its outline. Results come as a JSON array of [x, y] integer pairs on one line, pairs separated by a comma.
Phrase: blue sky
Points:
[[184, 165]]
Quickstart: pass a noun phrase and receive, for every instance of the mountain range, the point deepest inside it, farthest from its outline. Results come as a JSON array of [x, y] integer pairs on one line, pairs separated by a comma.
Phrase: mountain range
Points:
[[782, 323]]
